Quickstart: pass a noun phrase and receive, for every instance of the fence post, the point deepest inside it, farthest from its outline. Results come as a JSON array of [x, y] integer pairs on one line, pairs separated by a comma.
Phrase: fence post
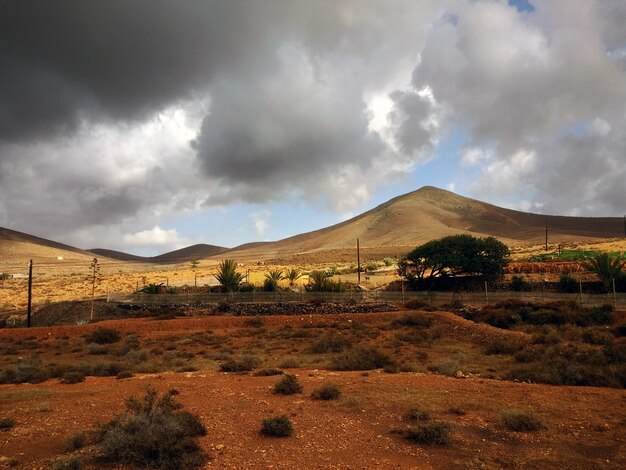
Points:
[[486, 294], [614, 296], [580, 285]]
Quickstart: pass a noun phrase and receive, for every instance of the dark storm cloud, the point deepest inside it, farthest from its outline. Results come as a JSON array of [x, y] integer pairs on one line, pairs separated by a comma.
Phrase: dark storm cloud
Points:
[[70, 60]]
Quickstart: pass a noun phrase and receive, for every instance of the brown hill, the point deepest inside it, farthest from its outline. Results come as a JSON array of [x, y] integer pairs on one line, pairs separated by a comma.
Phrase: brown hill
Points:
[[429, 213], [189, 253]]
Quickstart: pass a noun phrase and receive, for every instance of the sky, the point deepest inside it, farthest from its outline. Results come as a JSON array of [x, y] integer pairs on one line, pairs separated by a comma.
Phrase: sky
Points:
[[150, 125]]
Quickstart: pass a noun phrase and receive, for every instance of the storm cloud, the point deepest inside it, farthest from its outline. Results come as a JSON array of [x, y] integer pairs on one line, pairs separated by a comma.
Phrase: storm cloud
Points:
[[118, 113]]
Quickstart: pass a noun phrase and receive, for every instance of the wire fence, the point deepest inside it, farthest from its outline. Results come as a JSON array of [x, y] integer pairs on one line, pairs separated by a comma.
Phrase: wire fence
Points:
[[618, 300]]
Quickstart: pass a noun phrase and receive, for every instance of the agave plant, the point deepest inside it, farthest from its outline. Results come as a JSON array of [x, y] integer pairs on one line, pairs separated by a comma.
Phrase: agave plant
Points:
[[293, 275], [227, 275], [606, 267]]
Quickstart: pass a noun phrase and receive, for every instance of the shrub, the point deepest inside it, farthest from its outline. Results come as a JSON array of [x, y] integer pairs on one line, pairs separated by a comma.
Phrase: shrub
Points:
[[279, 426], [603, 315], [361, 358], [413, 320], [326, 392], [7, 423], [516, 420], [124, 374], [519, 284], [254, 322], [103, 335], [502, 347], [154, 432], [246, 363], [75, 441], [568, 284], [72, 377], [267, 372], [290, 362], [73, 463], [5, 276], [29, 370], [227, 275], [246, 287], [288, 385], [431, 433], [329, 343], [455, 410], [447, 367], [417, 414]]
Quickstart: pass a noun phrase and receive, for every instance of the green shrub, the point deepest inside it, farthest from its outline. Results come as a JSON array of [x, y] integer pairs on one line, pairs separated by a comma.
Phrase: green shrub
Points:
[[246, 363], [603, 315], [254, 322], [413, 320], [103, 335], [430, 433], [267, 372], [502, 347], [328, 391], [519, 284], [73, 463], [290, 362], [246, 287], [361, 358], [29, 370], [154, 432], [516, 420], [6, 424], [568, 284], [72, 377], [5, 276], [75, 441], [329, 343], [279, 426], [288, 385], [417, 414]]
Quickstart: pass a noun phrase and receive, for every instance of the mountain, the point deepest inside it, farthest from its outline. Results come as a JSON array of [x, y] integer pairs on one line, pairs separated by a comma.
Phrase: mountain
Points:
[[391, 228], [429, 213]]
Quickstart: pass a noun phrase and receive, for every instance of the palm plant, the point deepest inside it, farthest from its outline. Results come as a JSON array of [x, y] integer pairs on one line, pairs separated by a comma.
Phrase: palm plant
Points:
[[606, 267], [318, 280], [227, 275], [272, 279], [293, 275]]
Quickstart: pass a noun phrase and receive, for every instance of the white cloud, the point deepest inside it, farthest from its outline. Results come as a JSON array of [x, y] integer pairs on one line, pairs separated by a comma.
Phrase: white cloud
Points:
[[155, 237], [261, 221]]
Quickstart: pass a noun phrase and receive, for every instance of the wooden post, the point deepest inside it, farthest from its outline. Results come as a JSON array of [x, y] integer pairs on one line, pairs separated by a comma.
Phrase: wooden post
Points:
[[402, 290], [614, 295], [195, 280], [30, 293], [486, 294], [358, 263], [625, 225], [546, 236]]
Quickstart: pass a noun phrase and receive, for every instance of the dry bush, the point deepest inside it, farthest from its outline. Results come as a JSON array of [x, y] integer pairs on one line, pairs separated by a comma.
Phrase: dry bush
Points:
[[279, 426], [521, 421]]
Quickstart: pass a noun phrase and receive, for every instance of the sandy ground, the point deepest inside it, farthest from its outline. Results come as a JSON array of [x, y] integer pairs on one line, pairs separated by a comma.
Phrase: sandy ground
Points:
[[584, 426]]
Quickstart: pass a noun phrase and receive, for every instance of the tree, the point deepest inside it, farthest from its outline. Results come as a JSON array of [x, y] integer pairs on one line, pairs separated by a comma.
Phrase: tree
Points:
[[194, 264], [227, 275], [293, 275], [318, 280], [606, 267], [272, 279], [455, 255]]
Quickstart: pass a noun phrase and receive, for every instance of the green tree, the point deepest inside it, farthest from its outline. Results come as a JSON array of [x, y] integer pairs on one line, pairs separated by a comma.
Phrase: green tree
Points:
[[606, 267], [227, 275], [318, 281], [194, 264], [455, 255], [293, 275], [272, 279]]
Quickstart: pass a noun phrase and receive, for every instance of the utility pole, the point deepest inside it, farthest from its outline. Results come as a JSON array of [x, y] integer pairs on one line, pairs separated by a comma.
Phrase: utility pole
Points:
[[624, 225], [546, 236], [30, 293], [358, 263], [95, 270]]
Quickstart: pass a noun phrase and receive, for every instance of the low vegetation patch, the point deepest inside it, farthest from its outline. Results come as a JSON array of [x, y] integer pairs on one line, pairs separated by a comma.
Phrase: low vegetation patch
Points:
[[417, 414], [103, 335], [267, 372], [327, 391], [154, 432], [279, 426], [520, 421], [361, 358], [246, 363], [6, 424], [288, 385], [429, 433]]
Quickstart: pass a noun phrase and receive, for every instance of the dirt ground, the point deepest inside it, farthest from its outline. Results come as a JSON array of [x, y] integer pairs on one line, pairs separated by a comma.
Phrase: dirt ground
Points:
[[585, 426]]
